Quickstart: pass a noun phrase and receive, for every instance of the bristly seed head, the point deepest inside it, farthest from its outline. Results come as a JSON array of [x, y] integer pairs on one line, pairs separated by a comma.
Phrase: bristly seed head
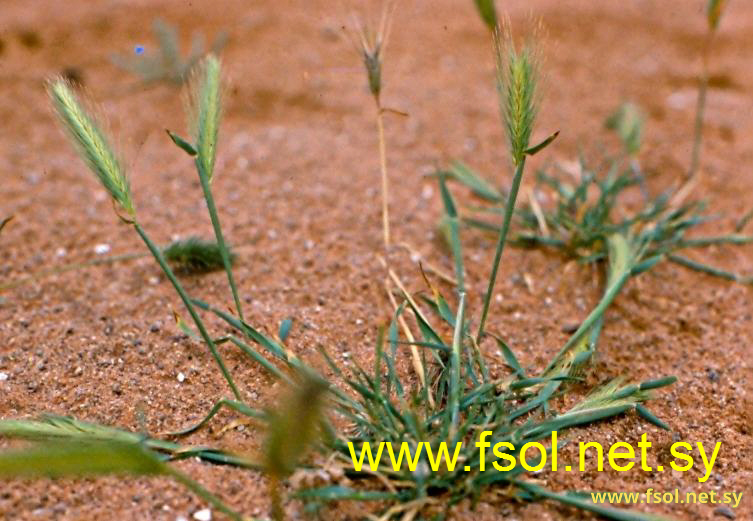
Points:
[[206, 108], [371, 45], [92, 144], [516, 82], [714, 11]]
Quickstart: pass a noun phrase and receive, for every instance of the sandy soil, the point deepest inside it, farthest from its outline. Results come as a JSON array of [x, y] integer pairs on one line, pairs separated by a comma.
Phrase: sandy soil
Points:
[[298, 178]]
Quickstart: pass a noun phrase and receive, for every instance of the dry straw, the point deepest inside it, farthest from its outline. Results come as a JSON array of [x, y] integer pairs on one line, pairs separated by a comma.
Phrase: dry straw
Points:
[[371, 45]]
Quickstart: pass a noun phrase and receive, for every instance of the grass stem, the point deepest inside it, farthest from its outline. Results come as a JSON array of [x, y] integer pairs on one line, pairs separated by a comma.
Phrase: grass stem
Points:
[[501, 244], [695, 156], [157, 254], [224, 252], [383, 167]]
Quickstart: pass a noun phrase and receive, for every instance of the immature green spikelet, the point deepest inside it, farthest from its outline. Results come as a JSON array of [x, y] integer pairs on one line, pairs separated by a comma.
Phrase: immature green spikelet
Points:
[[92, 144], [206, 105], [714, 11], [516, 82], [488, 12]]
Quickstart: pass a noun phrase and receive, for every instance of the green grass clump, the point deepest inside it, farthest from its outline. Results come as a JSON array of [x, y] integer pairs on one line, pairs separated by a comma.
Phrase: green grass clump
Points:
[[167, 64], [194, 255]]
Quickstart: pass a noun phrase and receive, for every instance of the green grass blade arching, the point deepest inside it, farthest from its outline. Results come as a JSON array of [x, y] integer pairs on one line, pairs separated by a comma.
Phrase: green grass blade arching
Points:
[[75, 458], [92, 144], [79, 458]]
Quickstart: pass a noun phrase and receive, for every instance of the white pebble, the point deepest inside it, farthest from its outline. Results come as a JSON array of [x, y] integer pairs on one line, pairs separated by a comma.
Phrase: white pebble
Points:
[[3, 376], [101, 249], [181, 377], [680, 100], [203, 515], [61, 252], [241, 163]]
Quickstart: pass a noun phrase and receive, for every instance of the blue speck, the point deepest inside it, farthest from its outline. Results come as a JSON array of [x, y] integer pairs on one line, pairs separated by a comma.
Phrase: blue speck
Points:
[[139, 49]]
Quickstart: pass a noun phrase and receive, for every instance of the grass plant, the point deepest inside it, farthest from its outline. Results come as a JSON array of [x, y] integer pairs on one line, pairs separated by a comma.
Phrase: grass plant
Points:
[[516, 81], [93, 145], [371, 44], [382, 404], [600, 229]]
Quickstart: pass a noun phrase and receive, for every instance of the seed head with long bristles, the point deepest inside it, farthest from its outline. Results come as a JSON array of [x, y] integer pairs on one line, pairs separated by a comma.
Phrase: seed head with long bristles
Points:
[[206, 110], [516, 81], [92, 144], [371, 45]]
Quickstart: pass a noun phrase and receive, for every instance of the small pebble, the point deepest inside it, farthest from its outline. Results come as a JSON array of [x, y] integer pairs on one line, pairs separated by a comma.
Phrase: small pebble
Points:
[[61, 252], [101, 249], [3, 376], [571, 327], [181, 377], [203, 515], [724, 512]]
